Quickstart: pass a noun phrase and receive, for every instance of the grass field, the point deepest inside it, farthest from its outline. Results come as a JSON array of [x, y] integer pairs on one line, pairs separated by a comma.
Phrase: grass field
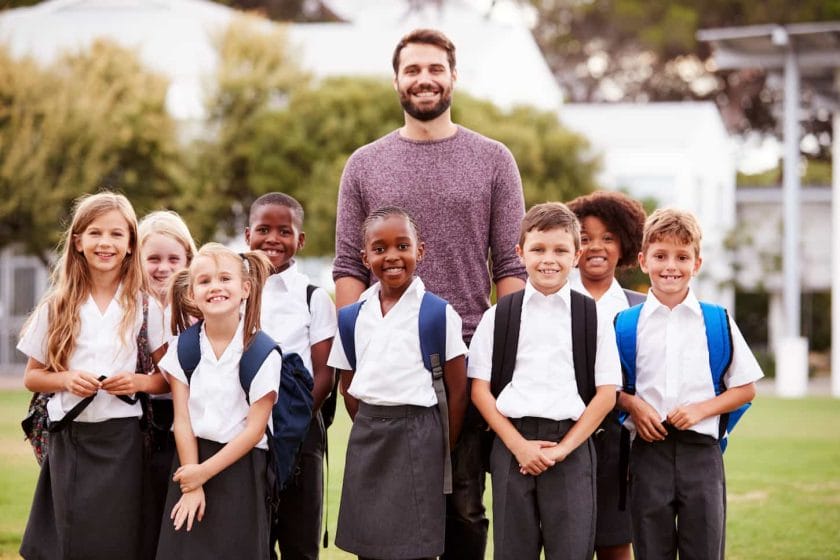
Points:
[[783, 479]]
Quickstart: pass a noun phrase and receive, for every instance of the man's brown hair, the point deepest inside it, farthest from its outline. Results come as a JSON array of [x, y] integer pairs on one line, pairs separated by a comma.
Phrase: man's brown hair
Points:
[[426, 37], [548, 216], [670, 224]]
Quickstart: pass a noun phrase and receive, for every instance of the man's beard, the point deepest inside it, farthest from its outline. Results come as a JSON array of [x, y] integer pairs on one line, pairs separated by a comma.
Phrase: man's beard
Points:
[[431, 113]]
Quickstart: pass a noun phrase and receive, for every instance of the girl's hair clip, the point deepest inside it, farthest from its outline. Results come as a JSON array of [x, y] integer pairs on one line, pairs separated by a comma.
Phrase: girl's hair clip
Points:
[[247, 263]]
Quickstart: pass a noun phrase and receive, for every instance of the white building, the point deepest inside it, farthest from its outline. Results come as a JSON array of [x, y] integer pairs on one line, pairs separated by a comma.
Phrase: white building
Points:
[[678, 154]]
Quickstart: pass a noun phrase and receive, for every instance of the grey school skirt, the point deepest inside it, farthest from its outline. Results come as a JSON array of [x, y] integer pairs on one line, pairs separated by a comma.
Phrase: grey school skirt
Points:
[[392, 501], [236, 514], [88, 496]]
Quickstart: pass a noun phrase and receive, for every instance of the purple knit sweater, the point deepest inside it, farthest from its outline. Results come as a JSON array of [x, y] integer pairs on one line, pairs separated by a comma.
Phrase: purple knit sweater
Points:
[[465, 194]]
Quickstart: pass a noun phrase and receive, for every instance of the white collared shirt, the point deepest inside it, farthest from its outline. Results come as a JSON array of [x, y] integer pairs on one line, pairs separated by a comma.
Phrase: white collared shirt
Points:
[[389, 365], [286, 317], [543, 382], [217, 403], [99, 351], [672, 359], [610, 304]]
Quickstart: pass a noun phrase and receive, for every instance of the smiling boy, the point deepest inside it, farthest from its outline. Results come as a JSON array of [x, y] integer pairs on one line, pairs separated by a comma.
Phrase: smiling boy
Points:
[[677, 488], [545, 407]]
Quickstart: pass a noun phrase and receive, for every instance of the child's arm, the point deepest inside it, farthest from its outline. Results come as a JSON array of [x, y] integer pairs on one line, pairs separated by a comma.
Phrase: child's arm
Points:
[[597, 409], [686, 416], [193, 476], [351, 403], [191, 505], [455, 379], [529, 454], [645, 418], [38, 379], [322, 374]]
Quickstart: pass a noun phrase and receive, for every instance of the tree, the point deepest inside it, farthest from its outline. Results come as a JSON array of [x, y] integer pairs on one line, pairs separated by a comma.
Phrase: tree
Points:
[[256, 75], [90, 120], [634, 50]]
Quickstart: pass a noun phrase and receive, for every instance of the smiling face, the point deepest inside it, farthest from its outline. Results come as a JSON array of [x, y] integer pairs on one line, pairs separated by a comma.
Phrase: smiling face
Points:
[[104, 243], [424, 81], [274, 232], [548, 257], [670, 265], [162, 257], [600, 250], [392, 252], [218, 287]]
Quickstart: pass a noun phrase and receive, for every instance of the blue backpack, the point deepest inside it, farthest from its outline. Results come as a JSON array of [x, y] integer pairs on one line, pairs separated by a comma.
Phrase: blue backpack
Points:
[[718, 340], [290, 415], [432, 327]]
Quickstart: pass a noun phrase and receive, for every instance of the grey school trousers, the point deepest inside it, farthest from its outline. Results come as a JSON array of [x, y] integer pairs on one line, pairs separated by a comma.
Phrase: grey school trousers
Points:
[[555, 510], [678, 497]]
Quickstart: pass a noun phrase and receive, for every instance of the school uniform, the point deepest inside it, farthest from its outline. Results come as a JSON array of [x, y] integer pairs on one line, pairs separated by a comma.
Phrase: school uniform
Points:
[[677, 486], [555, 510], [87, 499], [613, 526], [297, 326], [236, 517], [392, 500]]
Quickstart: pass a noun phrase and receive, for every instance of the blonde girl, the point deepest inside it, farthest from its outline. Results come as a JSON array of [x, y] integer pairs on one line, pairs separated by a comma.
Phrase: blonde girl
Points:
[[166, 247], [217, 502], [82, 347]]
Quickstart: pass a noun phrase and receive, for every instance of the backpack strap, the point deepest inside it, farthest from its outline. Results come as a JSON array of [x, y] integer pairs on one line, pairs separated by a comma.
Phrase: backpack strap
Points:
[[310, 289], [634, 297], [626, 325], [719, 342], [432, 329], [347, 317], [584, 343], [252, 360], [505, 340], [189, 349]]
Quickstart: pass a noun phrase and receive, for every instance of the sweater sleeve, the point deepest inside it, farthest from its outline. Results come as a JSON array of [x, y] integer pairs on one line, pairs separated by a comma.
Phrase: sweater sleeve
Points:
[[350, 216], [507, 210]]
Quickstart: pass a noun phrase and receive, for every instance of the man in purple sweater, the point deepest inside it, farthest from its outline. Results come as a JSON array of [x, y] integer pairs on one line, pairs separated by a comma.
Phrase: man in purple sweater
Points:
[[465, 194]]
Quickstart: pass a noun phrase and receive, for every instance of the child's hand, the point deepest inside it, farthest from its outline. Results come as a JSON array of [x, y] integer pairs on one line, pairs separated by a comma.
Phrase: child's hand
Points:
[[532, 458], [557, 453], [123, 383], [647, 422], [686, 416], [81, 383], [190, 507], [191, 477]]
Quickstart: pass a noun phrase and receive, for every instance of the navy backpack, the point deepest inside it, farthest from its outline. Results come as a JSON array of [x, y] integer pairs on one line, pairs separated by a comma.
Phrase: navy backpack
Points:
[[290, 415]]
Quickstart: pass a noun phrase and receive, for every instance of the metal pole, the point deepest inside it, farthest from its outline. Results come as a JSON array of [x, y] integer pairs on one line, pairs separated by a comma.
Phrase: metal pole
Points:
[[835, 246], [790, 196]]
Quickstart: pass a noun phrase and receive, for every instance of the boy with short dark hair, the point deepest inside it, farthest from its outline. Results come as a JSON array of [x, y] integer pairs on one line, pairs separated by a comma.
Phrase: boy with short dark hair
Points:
[[677, 487], [546, 403], [302, 320]]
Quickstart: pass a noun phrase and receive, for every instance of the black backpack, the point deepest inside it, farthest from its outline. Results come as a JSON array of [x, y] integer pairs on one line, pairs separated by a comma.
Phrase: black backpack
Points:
[[584, 342], [506, 342]]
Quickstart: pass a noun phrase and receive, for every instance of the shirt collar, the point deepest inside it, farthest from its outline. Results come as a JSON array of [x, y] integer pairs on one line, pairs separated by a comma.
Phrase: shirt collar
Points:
[[285, 279], [416, 288], [237, 343], [652, 304], [564, 294], [615, 291]]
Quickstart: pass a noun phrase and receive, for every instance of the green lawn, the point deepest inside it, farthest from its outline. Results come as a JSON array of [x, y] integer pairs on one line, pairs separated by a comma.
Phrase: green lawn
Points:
[[783, 477]]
